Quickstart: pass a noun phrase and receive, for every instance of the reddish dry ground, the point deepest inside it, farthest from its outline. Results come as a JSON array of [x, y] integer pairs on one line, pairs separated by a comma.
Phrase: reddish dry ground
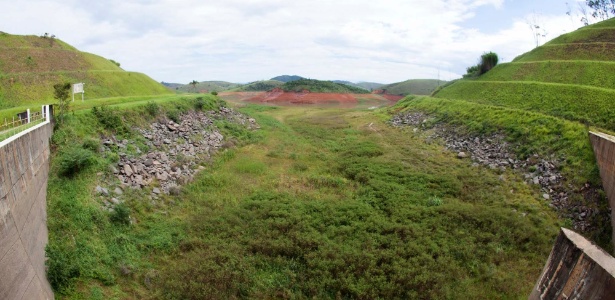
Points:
[[278, 97]]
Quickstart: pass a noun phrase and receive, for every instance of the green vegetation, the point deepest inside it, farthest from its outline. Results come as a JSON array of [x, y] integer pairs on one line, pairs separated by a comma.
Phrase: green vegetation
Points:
[[286, 78], [31, 65], [412, 87], [258, 86], [316, 204], [319, 86], [486, 62], [206, 86]]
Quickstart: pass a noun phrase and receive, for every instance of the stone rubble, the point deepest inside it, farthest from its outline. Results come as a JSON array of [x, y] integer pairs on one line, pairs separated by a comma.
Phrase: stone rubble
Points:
[[176, 149], [494, 152]]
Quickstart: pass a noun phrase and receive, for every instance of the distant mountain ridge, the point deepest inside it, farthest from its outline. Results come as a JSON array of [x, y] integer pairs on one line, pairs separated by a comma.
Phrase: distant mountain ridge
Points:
[[412, 87], [287, 78]]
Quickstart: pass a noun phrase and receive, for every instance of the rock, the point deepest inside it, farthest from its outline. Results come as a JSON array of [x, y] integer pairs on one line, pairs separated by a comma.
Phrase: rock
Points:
[[128, 170], [462, 155], [118, 191], [115, 201], [546, 196], [174, 190], [148, 162], [156, 191], [102, 191], [536, 180], [114, 170]]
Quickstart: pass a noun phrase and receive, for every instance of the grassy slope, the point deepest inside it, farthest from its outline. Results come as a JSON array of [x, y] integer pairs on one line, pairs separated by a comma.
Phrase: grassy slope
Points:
[[208, 86], [319, 86], [320, 204], [264, 85], [413, 87], [571, 77], [30, 66]]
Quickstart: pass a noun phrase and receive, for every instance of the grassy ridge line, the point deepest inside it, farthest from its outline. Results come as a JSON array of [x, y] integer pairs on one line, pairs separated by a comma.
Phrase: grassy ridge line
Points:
[[320, 86], [590, 105], [589, 73], [413, 87], [592, 51]]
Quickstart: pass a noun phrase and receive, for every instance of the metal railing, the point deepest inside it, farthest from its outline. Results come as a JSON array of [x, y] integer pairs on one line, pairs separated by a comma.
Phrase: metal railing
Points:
[[23, 121]]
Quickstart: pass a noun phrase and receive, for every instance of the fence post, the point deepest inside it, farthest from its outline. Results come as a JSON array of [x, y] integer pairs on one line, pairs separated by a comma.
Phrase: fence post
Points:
[[28, 113]]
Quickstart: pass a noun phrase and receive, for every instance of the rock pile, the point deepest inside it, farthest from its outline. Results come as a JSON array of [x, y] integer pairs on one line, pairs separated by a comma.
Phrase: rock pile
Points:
[[176, 151], [495, 153]]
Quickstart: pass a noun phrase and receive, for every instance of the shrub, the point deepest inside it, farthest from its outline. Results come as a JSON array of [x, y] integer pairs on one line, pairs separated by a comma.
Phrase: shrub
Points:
[[434, 201], [152, 108], [214, 93], [173, 115], [121, 214], [109, 118], [73, 160], [92, 145], [61, 267], [487, 62], [199, 103]]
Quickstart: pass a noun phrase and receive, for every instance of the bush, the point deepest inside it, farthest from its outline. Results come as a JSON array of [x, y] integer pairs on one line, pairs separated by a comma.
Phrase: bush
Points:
[[214, 93], [92, 145], [73, 160], [487, 62], [199, 103], [121, 214], [109, 118], [61, 268], [173, 115], [152, 108]]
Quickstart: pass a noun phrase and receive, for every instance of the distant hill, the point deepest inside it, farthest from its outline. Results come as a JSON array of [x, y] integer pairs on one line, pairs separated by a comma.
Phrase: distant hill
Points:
[[259, 86], [363, 85], [172, 85], [412, 87], [319, 86], [207, 87], [572, 77], [287, 78], [31, 65]]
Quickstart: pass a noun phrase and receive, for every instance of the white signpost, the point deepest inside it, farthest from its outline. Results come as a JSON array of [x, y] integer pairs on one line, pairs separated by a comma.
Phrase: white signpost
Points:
[[78, 88]]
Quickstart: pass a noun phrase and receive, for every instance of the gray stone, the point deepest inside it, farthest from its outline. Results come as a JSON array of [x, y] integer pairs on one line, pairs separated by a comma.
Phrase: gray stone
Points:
[[546, 196], [102, 191], [462, 155], [128, 170], [118, 191], [156, 191], [115, 201]]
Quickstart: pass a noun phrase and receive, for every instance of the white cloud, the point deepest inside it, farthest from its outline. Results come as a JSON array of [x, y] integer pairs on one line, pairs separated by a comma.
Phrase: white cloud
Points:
[[240, 41]]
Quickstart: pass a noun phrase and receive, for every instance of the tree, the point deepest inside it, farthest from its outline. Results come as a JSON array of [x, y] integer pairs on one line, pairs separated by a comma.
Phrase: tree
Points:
[[193, 84], [603, 9], [61, 92], [486, 62]]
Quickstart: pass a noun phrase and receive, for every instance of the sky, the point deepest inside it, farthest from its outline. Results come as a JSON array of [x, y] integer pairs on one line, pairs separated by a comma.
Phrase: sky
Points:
[[242, 41]]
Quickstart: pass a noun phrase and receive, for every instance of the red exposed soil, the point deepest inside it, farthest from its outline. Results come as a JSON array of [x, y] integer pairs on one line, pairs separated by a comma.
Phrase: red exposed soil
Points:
[[277, 95]]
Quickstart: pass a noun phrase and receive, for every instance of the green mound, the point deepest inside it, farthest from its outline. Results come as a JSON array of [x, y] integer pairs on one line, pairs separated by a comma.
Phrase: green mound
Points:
[[207, 87], [571, 77], [259, 86], [31, 65], [319, 86], [412, 87]]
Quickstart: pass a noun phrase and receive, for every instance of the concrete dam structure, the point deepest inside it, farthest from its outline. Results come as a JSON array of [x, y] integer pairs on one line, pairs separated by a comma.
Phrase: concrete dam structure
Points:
[[24, 168]]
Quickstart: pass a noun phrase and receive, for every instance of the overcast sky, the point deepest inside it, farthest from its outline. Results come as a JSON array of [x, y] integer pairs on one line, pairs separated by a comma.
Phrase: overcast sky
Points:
[[241, 41]]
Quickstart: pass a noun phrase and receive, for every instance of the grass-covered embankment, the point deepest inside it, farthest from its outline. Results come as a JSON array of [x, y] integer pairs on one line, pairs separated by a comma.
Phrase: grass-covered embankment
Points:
[[529, 133], [585, 104]]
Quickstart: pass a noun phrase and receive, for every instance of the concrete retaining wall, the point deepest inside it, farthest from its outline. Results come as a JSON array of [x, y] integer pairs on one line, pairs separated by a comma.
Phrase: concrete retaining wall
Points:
[[604, 150], [24, 166], [576, 269]]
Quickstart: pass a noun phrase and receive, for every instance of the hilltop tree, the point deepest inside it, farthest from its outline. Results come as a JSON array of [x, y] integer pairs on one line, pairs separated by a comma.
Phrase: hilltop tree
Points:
[[603, 9], [193, 84], [486, 62]]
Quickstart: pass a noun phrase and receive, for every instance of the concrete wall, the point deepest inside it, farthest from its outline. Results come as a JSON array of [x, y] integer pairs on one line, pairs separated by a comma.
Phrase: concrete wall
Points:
[[604, 150], [24, 166], [576, 269]]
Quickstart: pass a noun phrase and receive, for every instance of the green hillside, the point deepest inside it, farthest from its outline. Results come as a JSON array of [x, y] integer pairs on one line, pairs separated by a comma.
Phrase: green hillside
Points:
[[208, 86], [31, 65], [319, 86], [572, 77], [259, 86], [412, 87]]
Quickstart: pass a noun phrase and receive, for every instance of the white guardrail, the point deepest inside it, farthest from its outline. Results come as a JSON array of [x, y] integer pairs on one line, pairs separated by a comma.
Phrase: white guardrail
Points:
[[22, 123]]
